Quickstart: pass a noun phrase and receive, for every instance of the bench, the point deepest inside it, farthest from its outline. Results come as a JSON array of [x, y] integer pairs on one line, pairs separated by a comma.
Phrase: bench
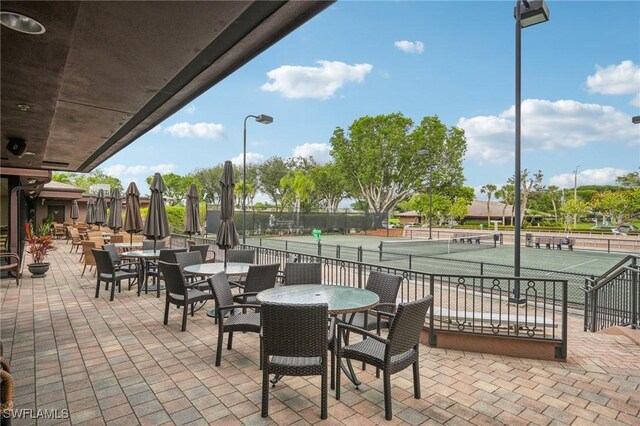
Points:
[[555, 242], [486, 319]]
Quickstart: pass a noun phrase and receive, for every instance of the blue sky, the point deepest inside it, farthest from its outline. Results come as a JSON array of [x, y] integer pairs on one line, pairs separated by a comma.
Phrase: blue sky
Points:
[[454, 59]]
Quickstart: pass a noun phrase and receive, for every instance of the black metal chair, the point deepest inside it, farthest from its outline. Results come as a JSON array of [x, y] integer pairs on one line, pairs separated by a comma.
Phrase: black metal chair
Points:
[[245, 322], [303, 273], [178, 292], [259, 277], [395, 353], [294, 343], [109, 273], [203, 249]]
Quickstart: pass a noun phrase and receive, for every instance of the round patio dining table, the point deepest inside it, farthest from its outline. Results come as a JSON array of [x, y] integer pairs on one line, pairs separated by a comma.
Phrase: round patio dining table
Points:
[[144, 256], [232, 269], [341, 299]]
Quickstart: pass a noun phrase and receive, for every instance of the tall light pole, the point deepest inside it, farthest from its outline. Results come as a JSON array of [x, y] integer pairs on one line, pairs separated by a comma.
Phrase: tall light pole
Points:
[[575, 194], [427, 152], [535, 12], [264, 119]]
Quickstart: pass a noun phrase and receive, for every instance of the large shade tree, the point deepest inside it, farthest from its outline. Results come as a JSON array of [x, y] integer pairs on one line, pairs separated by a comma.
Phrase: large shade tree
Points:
[[330, 186], [270, 174], [378, 157]]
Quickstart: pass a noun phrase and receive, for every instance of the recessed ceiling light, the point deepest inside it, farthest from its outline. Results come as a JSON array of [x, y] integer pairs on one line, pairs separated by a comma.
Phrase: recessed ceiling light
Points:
[[21, 23], [24, 107]]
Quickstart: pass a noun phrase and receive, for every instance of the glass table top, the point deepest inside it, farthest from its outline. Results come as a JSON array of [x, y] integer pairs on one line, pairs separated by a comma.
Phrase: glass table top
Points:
[[341, 300], [233, 268]]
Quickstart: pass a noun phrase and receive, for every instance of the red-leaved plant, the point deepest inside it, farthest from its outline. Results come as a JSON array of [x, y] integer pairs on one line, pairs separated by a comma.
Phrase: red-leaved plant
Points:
[[39, 243]]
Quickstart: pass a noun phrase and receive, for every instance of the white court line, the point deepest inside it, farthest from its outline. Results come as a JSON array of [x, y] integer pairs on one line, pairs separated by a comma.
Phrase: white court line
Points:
[[579, 264]]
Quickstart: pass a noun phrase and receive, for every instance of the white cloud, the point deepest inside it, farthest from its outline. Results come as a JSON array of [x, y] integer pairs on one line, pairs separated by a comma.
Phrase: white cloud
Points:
[[410, 46], [126, 173], [546, 125], [621, 79], [322, 82], [319, 151], [252, 158], [156, 129], [197, 130], [190, 109], [604, 176]]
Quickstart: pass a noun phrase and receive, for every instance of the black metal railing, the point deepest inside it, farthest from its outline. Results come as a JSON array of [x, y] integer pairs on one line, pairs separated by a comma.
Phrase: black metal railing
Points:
[[463, 303], [614, 298]]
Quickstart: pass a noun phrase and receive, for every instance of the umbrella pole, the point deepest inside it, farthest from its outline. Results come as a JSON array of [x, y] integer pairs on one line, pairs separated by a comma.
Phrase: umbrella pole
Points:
[[225, 258], [130, 238]]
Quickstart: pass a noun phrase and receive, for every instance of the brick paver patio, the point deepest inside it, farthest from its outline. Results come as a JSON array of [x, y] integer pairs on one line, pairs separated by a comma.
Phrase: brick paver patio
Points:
[[116, 363]]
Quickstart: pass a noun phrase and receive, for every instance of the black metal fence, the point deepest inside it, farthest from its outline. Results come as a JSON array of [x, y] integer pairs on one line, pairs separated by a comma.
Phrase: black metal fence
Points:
[[614, 299], [463, 303]]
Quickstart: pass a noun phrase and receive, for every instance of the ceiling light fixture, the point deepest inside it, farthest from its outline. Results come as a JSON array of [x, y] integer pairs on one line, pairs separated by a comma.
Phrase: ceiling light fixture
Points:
[[24, 107], [21, 23]]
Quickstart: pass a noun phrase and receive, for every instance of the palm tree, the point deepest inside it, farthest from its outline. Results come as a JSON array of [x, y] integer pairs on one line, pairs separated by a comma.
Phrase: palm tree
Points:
[[301, 185], [489, 189], [506, 195]]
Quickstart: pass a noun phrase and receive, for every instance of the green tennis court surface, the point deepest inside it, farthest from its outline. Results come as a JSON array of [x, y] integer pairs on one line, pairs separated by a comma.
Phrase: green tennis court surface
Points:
[[578, 261]]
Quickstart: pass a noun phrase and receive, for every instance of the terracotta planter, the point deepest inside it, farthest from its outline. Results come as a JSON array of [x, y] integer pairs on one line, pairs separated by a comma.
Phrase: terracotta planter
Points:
[[38, 270]]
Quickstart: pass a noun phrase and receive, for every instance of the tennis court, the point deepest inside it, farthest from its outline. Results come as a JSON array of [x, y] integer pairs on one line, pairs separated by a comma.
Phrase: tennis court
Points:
[[459, 258]]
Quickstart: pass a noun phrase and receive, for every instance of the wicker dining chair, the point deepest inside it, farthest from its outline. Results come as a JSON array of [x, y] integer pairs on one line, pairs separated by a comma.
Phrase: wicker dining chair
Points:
[[241, 256], [203, 249], [109, 272], [89, 260], [166, 255], [75, 239], [12, 263], [245, 322], [127, 265], [294, 343], [395, 353], [303, 273], [151, 245], [386, 286], [179, 293], [116, 238], [259, 277]]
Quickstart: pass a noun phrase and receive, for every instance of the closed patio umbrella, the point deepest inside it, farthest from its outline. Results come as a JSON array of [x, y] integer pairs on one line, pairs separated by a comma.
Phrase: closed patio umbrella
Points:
[[132, 218], [90, 218], [192, 219], [115, 211], [227, 235], [101, 209], [75, 213], [156, 226]]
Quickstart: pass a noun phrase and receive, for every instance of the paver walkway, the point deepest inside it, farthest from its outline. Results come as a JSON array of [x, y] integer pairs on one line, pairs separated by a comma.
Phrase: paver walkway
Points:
[[116, 363]]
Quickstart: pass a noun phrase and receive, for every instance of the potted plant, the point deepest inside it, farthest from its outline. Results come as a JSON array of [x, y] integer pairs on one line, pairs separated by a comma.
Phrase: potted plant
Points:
[[39, 244]]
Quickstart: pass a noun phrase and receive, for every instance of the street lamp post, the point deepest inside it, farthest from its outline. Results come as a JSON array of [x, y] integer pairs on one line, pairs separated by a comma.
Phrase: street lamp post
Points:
[[535, 12], [575, 194], [426, 152], [264, 119]]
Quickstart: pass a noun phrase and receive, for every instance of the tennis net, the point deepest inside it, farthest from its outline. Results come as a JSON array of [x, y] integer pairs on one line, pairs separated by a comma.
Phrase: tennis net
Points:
[[400, 249]]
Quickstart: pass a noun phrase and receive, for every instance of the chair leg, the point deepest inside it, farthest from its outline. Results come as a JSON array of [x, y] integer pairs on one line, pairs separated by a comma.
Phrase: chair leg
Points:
[[323, 392], [219, 350], [166, 312], [416, 380], [185, 310], [229, 345], [83, 269], [113, 291], [387, 396], [333, 370], [265, 392], [97, 288], [338, 373]]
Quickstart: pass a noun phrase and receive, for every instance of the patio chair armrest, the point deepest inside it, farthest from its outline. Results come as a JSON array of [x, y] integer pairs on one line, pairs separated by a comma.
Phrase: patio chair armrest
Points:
[[12, 255], [198, 282], [353, 329], [241, 298]]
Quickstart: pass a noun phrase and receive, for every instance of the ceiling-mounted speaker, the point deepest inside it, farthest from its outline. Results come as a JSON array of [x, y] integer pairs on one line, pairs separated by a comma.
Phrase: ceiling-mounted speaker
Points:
[[16, 146]]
